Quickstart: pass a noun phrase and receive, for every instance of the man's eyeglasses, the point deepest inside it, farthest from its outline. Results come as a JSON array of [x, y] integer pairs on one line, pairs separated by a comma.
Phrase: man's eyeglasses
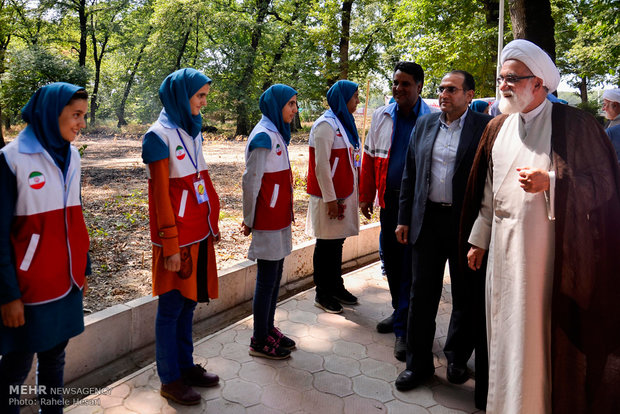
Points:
[[512, 80], [448, 89]]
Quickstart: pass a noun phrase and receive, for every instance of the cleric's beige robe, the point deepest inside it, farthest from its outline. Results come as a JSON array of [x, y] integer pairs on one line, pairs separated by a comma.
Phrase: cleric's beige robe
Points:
[[516, 228]]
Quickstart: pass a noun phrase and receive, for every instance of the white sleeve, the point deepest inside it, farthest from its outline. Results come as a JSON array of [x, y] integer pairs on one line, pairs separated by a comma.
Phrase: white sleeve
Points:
[[480, 235]]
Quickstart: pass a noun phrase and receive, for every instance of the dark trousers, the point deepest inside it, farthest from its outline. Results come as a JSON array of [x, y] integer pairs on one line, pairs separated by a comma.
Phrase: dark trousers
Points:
[[268, 277], [327, 262], [174, 346], [14, 368], [396, 261], [437, 243]]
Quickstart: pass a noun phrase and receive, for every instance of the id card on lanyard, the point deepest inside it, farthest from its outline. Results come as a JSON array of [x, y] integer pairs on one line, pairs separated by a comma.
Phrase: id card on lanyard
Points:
[[357, 157], [200, 189]]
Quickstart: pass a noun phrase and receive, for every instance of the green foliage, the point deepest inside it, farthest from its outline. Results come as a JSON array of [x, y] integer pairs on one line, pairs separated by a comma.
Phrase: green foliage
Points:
[[33, 67]]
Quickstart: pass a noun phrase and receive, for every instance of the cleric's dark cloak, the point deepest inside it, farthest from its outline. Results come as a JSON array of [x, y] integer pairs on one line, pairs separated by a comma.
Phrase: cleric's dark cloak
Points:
[[585, 319]]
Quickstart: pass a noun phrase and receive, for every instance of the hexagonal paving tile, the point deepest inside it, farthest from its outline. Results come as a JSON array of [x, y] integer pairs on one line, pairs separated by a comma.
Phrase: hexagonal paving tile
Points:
[[327, 382], [306, 360], [354, 404], [300, 316], [242, 392], [285, 399], [144, 401], [372, 388], [399, 407], [294, 378], [350, 349], [318, 402], [328, 333], [258, 373], [342, 365], [223, 367], [378, 369]]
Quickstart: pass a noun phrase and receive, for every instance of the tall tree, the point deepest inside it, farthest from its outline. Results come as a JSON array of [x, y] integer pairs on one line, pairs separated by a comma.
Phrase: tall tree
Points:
[[531, 20]]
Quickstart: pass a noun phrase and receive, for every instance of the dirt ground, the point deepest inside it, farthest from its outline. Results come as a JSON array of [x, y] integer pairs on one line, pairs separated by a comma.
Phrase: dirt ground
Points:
[[114, 194]]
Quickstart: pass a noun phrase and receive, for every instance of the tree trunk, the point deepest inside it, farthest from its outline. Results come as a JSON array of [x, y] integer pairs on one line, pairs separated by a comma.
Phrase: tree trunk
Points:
[[345, 34], [182, 50], [1, 133], [120, 111], [243, 119], [531, 20], [98, 59], [583, 90], [81, 9]]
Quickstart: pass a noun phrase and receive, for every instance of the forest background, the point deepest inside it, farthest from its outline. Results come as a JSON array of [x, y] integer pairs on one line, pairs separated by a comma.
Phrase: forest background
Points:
[[121, 50]]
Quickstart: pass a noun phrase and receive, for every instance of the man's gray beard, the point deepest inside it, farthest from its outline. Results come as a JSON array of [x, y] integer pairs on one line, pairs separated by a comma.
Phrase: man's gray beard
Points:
[[517, 102]]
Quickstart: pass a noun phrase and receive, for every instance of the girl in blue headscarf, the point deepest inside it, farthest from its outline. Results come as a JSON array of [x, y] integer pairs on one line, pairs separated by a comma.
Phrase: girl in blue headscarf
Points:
[[333, 216], [184, 211], [43, 244], [268, 213]]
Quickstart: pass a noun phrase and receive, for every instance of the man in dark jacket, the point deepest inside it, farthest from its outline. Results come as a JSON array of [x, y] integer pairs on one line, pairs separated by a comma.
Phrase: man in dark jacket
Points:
[[438, 163]]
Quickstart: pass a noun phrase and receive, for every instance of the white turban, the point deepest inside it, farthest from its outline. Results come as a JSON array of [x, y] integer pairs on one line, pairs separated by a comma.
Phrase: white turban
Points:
[[536, 59], [612, 95]]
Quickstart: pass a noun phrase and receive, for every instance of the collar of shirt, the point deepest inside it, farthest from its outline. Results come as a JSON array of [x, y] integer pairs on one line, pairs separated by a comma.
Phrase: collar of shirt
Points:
[[529, 116], [459, 124]]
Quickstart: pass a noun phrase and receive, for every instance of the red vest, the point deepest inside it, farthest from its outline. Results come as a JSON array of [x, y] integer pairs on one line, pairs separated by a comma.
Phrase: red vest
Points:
[[340, 161], [274, 204], [48, 234], [189, 214]]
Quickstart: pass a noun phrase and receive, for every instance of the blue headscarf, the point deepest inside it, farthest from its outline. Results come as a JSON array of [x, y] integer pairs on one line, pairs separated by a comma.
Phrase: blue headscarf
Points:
[[337, 97], [42, 112], [479, 105], [175, 92], [271, 103]]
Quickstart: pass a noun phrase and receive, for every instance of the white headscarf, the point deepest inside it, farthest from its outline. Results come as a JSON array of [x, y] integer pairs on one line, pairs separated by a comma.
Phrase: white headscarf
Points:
[[536, 59], [612, 95]]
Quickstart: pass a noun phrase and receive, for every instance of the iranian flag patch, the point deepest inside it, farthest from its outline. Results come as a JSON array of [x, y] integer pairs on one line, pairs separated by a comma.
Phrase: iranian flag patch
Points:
[[278, 150], [180, 152], [36, 180]]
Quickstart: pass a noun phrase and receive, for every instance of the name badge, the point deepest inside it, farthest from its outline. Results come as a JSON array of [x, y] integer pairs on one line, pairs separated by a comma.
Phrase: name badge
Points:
[[357, 157], [201, 191]]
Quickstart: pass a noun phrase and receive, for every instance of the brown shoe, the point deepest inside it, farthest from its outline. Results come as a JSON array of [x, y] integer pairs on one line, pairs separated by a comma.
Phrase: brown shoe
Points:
[[179, 392], [197, 376]]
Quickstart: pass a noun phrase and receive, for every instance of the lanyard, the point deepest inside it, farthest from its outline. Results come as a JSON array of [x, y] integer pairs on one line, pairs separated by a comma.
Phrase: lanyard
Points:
[[194, 163]]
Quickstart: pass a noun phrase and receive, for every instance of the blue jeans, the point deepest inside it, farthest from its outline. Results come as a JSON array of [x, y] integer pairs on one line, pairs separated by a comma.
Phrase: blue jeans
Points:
[[173, 336], [14, 368], [268, 279]]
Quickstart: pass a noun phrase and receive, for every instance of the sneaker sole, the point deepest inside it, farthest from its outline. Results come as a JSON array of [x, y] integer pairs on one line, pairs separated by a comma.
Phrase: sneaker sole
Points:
[[318, 305], [260, 354], [176, 400]]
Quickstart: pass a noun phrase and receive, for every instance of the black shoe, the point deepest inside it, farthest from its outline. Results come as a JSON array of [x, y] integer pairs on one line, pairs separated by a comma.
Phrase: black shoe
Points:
[[268, 349], [345, 297], [329, 305], [400, 349], [282, 340], [408, 380], [386, 325], [457, 374]]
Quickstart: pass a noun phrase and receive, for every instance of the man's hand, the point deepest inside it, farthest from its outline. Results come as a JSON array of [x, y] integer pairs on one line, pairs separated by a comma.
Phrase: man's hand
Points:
[[533, 180], [332, 209], [217, 238], [13, 314], [366, 208], [402, 233], [85, 287], [245, 229], [173, 263], [474, 257]]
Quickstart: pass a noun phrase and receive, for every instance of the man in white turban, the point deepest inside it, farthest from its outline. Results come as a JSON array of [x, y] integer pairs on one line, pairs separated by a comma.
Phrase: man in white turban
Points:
[[542, 200], [611, 106]]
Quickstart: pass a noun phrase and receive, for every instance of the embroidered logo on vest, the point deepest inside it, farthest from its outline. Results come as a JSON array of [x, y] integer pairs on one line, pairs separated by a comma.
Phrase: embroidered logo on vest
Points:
[[180, 153], [36, 180], [278, 150]]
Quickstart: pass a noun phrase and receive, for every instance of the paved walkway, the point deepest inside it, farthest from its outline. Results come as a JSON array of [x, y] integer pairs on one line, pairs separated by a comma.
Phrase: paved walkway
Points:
[[341, 365]]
